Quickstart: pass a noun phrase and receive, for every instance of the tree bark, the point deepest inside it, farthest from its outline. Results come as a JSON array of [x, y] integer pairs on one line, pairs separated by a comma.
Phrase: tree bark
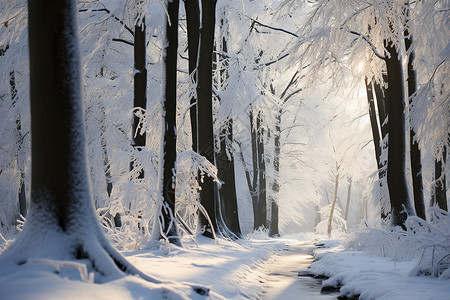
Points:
[[396, 175], [255, 188], [204, 109], [168, 224], [440, 185], [374, 125], [273, 231], [193, 30], [140, 88], [225, 155], [262, 200]]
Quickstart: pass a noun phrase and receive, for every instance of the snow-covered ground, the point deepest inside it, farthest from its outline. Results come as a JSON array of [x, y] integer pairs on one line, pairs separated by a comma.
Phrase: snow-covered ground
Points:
[[374, 277], [232, 270]]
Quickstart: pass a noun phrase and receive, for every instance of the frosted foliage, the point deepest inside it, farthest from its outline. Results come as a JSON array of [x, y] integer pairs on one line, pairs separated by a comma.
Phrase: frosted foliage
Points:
[[339, 225], [431, 103], [345, 37], [14, 108], [427, 242]]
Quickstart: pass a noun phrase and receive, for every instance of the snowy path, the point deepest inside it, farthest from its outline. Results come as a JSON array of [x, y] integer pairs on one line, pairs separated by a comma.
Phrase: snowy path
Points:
[[282, 280]]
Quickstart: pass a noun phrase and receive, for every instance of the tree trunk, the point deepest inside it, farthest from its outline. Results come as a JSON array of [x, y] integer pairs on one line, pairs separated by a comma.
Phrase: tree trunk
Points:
[[262, 201], [374, 125], [276, 168], [140, 87], [396, 174], [168, 225], [333, 204], [255, 189], [204, 109], [273, 231], [349, 191], [193, 27], [415, 154], [440, 185], [225, 172], [225, 155], [382, 105], [62, 210]]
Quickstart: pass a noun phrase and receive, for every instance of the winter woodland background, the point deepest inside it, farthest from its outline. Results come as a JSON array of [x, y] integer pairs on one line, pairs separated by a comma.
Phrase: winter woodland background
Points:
[[298, 79]]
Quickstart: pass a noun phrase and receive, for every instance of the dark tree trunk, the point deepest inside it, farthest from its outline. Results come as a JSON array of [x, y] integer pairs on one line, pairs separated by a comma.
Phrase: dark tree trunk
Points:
[[262, 201], [140, 87], [62, 209], [254, 191], [440, 185], [416, 164], [204, 109], [169, 228], [396, 174], [193, 29], [374, 125], [382, 105], [106, 163], [225, 156], [225, 172], [273, 231], [377, 134]]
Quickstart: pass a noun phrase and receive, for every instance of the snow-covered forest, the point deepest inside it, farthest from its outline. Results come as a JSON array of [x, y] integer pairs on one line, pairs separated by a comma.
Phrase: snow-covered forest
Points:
[[186, 149]]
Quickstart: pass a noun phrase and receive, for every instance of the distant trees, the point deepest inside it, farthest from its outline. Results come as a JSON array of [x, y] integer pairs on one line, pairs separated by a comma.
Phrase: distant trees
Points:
[[358, 35]]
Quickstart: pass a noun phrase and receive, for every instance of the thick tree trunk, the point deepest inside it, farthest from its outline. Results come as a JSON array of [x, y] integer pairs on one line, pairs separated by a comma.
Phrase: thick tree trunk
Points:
[[396, 174], [204, 109], [440, 185], [225, 155], [193, 30], [168, 224], [415, 154], [62, 210], [225, 172]]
